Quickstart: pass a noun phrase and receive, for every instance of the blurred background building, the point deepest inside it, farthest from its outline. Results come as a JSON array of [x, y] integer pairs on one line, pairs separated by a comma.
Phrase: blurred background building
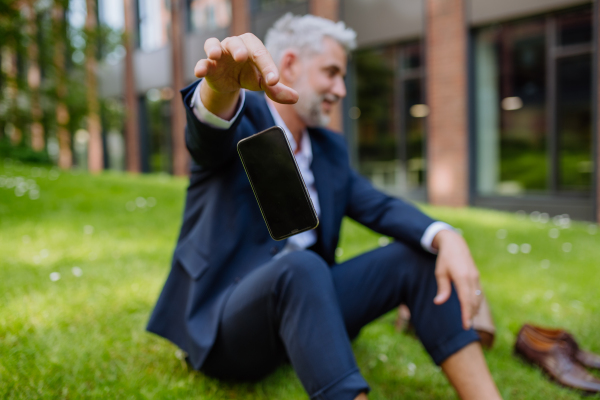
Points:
[[454, 102]]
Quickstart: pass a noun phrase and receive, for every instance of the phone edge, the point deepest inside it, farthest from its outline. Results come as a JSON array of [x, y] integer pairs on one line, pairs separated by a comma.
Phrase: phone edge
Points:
[[305, 189]]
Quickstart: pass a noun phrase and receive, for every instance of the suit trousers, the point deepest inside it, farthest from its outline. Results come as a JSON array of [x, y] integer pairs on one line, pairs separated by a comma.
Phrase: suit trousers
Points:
[[297, 308]]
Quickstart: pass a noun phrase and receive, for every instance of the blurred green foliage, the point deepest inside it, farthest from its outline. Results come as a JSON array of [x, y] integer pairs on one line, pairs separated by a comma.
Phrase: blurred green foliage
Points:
[[23, 153], [54, 37]]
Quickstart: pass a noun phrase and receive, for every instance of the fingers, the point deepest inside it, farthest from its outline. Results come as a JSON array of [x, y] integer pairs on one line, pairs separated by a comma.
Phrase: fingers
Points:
[[203, 67], [213, 49], [467, 288], [261, 58], [465, 297], [281, 93], [455, 264], [243, 62], [478, 300], [444, 289], [236, 47]]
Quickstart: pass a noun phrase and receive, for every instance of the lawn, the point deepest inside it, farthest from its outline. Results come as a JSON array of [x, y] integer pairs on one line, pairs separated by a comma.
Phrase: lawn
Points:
[[84, 258]]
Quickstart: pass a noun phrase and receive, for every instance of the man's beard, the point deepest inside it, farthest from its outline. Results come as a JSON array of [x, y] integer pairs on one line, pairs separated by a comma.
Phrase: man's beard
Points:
[[309, 107]]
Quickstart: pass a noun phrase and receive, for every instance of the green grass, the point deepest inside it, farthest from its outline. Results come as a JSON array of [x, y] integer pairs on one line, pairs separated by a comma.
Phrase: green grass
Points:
[[84, 337]]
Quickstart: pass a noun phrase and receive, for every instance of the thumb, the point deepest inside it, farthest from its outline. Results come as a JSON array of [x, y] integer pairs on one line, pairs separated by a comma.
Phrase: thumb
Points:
[[280, 93], [444, 289]]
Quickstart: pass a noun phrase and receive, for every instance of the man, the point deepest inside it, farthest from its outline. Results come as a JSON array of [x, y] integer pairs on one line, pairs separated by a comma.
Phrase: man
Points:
[[240, 303]]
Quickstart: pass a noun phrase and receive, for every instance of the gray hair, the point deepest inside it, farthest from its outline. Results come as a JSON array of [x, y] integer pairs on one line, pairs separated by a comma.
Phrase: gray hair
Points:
[[305, 34]]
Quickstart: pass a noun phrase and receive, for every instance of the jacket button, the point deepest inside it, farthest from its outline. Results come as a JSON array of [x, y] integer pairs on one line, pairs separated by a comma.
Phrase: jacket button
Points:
[[274, 250]]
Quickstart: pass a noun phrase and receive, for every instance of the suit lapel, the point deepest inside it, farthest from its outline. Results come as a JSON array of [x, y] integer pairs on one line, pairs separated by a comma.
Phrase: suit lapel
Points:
[[261, 117], [321, 169]]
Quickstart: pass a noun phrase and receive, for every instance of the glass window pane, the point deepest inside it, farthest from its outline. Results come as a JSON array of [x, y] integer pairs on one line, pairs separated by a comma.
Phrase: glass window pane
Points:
[[112, 14], [575, 27], [511, 108], [411, 56], [158, 105], [414, 116], [155, 23], [266, 5], [206, 15], [574, 122], [377, 139]]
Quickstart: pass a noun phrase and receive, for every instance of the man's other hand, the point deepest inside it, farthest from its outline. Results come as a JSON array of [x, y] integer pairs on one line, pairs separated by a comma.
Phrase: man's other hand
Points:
[[455, 265], [239, 62]]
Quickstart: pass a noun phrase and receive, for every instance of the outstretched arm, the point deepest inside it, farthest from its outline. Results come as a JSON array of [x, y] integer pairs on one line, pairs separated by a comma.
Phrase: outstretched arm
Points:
[[236, 63]]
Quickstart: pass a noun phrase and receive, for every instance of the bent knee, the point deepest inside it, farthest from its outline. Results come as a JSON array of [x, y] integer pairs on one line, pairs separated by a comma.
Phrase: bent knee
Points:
[[409, 264], [304, 265], [401, 251]]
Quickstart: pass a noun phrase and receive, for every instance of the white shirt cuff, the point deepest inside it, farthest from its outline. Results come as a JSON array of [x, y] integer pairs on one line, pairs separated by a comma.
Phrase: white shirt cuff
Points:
[[430, 232], [209, 118]]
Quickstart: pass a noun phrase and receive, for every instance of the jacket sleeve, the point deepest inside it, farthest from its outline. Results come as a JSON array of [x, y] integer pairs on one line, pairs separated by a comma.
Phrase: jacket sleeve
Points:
[[210, 147], [385, 214]]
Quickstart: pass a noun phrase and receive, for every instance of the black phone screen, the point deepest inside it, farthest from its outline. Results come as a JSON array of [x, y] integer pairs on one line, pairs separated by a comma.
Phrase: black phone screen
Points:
[[277, 183]]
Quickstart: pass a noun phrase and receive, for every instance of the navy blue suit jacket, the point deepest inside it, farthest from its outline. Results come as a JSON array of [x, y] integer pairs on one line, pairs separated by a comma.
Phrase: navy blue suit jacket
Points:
[[223, 236]]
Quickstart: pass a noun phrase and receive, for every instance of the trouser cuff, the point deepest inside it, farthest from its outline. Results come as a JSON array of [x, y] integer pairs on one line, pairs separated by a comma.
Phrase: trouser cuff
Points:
[[452, 345], [346, 388]]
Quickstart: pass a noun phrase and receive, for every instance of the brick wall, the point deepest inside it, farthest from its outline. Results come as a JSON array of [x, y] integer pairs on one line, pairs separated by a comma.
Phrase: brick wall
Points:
[[325, 8], [447, 142], [240, 17]]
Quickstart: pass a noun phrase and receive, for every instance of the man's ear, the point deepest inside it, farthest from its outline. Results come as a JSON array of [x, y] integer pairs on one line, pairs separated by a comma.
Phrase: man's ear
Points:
[[290, 67]]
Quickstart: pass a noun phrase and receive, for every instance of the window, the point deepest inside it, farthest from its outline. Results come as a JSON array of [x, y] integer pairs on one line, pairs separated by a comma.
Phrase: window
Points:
[[374, 111], [533, 106], [390, 114], [413, 116], [154, 24], [266, 5], [207, 15], [158, 143]]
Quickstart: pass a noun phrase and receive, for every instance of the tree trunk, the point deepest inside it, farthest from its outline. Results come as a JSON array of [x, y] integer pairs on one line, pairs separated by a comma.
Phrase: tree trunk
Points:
[[132, 127], [95, 153], [34, 77], [180, 155], [65, 155], [9, 66]]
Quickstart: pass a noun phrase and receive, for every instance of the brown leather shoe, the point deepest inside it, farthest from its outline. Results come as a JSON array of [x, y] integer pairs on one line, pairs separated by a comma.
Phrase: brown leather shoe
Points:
[[555, 358], [587, 359]]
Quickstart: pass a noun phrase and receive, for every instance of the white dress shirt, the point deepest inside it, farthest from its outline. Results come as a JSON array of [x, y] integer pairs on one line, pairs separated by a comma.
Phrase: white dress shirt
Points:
[[303, 158]]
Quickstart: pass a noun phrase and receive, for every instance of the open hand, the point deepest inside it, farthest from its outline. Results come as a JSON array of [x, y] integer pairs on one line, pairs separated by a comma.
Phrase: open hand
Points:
[[242, 62], [455, 265]]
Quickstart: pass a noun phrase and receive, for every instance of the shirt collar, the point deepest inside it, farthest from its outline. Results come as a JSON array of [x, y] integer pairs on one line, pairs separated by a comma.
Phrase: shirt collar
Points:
[[305, 148]]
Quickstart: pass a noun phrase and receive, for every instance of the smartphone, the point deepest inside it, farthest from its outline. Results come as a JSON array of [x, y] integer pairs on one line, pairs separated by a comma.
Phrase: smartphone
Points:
[[277, 183]]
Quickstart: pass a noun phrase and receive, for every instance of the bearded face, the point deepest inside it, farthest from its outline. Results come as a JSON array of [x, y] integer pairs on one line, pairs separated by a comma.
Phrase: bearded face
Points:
[[320, 83], [310, 104]]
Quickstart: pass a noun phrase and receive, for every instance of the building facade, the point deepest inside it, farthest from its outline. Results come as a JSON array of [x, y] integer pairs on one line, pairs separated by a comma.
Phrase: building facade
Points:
[[453, 102]]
